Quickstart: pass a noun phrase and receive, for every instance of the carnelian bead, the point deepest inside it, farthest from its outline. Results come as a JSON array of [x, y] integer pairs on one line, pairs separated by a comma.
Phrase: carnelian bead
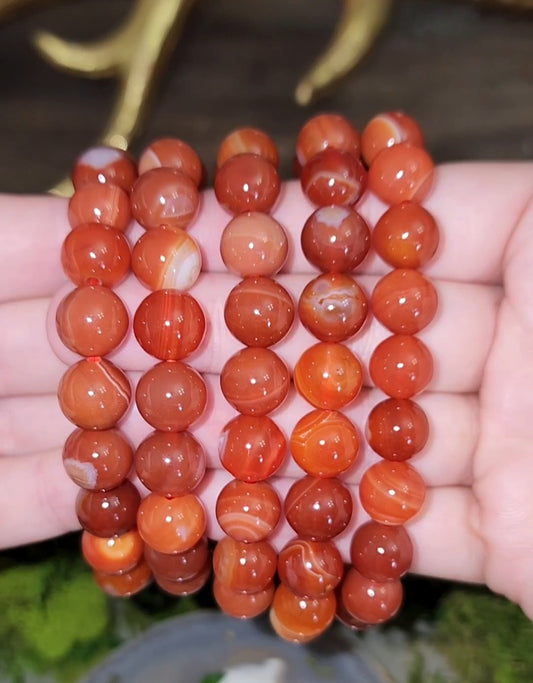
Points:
[[324, 443], [170, 464], [328, 375], [106, 513], [247, 182], [255, 381], [310, 568], [371, 602], [248, 511], [333, 177], [392, 492], [247, 141], [97, 203], [169, 325], [401, 172], [164, 196], [172, 153], [387, 129], [381, 552], [104, 165], [298, 619], [186, 586], [244, 567], [397, 429], [333, 307], [326, 131], [171, 525], [346, 619], [94, 394], [318, 509], [242, 605], [126, 584], [252, 447], [259, 311], [171, 396], [178, 566], [335, 239], [406, 236], [97, 460], [113, 555], [401, 366]]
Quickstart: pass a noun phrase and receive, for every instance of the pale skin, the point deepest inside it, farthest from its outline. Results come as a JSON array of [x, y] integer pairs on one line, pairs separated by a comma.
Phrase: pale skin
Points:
[[477, 523]]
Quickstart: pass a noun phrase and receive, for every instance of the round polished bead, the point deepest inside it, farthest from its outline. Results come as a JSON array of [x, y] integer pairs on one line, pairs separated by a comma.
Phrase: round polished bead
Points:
[[401, 172], [92, 320], [244, 567], [387, 129], [178, 566], [247, 141], [401, 366], [397, 429], [333, 177], [242, 605], [252, 447], [310, 568], [93, 252], [247, 182], [259, 311], [255, 381], [248, 511], [186, 586], [346, 619], [97, 460], [171, 464], [166, 259], [335, 239], [298, 619], [126, 584], [104, 165], [333, 307], [97, 203], [328, 375], [172, 153], [106, 513], [171, 396], [381, 552], [169, 325], [392, 492], [171, 525], [324, 443], [406, 236], [318, 509], [326, 131], [372, 602], [112, 555], [94, 394], [164, 196], [254, 244]]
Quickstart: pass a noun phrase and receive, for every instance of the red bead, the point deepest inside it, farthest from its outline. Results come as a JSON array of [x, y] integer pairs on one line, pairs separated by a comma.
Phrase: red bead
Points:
[[381, 552], [172, 153], [392, 492], [178, 566], [401, 172], [112, 555], [401, 366], [242, 605], [248, 512], [106, 513], [404, 301], [333, 177], [372, 602], [326, 131], [247, 141], [104, 165], [387, 129], [397, 429], [171, 525], [97, 203], [310, 568], [244, 567], [126, 584], [247, 182], [298, 619], [346, 619], [186, 586]]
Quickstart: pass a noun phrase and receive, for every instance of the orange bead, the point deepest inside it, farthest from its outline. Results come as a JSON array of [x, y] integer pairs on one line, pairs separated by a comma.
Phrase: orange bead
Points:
[[381, 552], [113, 555], [247, 141], [310, 568], [368, 601], [179, 566], [333, 177], [401, 366], [97, 203], [298, 619], [186, 586], [242, 605], [126, 584], [244, 567], [172, 153], [326, 131], [387, 129], [404, 301], [104, 165], [106, 513], [397, 429], [247, 182], [171, 525], [248, 511], [401, 172], [392, 492]]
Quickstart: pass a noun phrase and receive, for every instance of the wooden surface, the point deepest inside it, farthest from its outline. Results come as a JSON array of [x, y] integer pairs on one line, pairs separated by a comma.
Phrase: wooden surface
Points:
[[466, 74]]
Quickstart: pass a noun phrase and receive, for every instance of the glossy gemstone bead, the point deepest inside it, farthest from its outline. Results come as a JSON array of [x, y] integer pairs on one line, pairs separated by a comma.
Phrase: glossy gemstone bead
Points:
[[406, 236], [401, 172], [172, 153], [324, 443], [126, 584], [298, 619], [169, 325], [97, 460], [252, 448], [397, 429], [326, 131], [106, 513], [310, 568], [255, 381], [401, 366], [171, 396], [247, 141], [333, 307], [248, 512], [318, 509], [112, 555], [247, 182], [95, 252], [387, 129], [392, 492], [335, 239], [166, 259], [178, 566], [244, 567], [372, 602], [97, 203], [381, 552], [171, 464], [346, 619], [333, 177], [171, 525], [259, 311], [94, 394], [254, 244], [242, 605], [328, 375], [186, 586], [164, 196], [104, 165]]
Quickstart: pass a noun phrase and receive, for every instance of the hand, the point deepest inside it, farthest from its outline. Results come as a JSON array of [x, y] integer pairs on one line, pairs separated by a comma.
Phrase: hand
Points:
[[477, 522]]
